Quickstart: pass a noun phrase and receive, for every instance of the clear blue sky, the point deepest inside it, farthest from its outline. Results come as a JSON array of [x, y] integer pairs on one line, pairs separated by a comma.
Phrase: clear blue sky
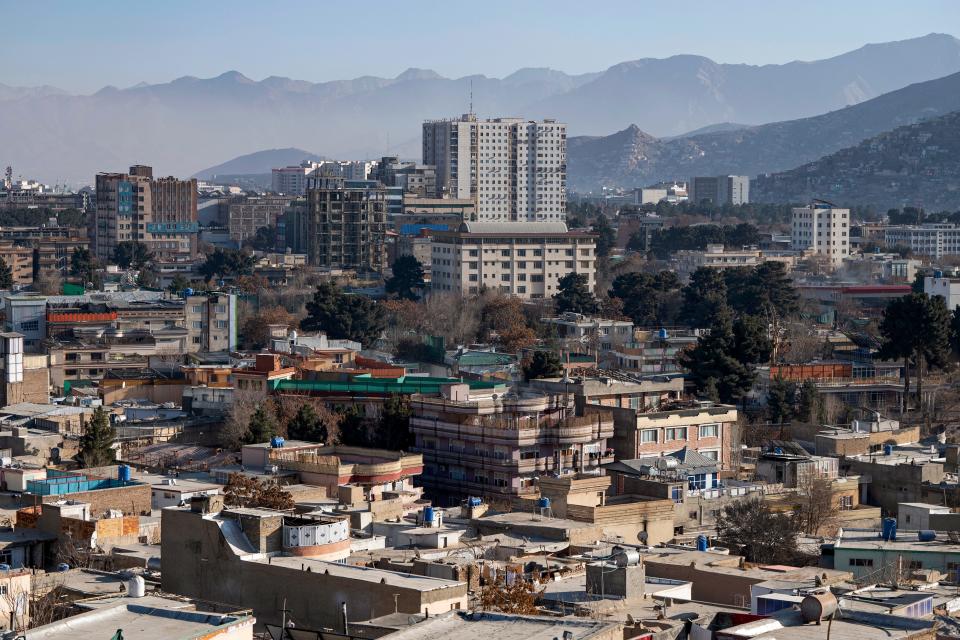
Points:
[[82, 46]]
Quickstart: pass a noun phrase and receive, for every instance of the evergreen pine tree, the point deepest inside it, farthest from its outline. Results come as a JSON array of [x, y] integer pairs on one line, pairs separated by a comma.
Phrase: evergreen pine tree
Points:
[[96, 443], [262, 426]]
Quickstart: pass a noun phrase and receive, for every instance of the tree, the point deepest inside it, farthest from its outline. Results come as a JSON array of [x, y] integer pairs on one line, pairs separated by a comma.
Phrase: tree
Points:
[[178, 284], [82, 264], [148, 277], [262, 426], [762, 290], [703, 296], [96, 443], [6, 275], [808, 408], [573, 294], [753, 345], [342, 316], [235, 424], [226, 263], [307, 425], [131, 254], [264, 239], [761, 535], [606, 236], [816, 508], [780, 400], [542, 364], [915, 328], [407, 279], [520, 596], [393, 426], [648, 300], [256, 326], [713, 362], [48, 282]]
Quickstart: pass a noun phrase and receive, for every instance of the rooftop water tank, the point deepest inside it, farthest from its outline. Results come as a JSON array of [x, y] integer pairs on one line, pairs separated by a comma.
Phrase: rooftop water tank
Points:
[[474, 502], [888, 529], [4, 567], [818, 606], [276, 442], [926, 535], [627, 557], [663, 334], [63, 566], [888, 449], [428, 516], [123, 473], [136, 587], [702, 542], [188, 292], [543, 503]]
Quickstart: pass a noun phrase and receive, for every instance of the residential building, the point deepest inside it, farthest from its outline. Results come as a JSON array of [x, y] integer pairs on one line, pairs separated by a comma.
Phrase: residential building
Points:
[[592, 334], [248, 214], [671, 192], [26, 314], [475, 442], [255, 570], [19, 259], [639, 433], [136, 207], [346, 224], [823, 229], [654, 351], [947, 287], [865, 552], [54, 253], [525, 259], [292, 180], [24, 377], [513, 169], [444, 209], [639, 226], [720, 190], [934, 240], [211, 321], [416, 179]]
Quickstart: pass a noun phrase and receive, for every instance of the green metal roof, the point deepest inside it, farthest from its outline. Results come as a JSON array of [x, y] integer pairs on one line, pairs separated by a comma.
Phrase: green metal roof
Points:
[[484, 358], [367, 384]]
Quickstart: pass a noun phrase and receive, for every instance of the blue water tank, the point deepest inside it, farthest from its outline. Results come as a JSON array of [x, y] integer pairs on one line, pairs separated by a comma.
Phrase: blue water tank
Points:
[[778, 451], [663, 334], [428, 516], [63, 566], [938, 274], [123, 473], [888, 449], [702, 542], [474, 502], [926, 535], [188, 292], [543, 503], [276, 442], [888, 529], [4, 567]]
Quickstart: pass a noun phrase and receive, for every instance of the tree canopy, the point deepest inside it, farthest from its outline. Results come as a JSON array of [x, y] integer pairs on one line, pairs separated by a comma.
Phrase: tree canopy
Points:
[[759, 534], [131, 254], [573, 294], [6, 275], [542, 364], [96, 443], [606, 236], [407, 280], [226, 263], [648, 300], [344, 316], [82, 264]]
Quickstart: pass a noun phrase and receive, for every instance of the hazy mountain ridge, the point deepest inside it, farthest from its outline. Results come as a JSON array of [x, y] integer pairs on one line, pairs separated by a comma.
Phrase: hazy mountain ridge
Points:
[[632, 158], [914, 165], [182, 126], [258, 162]]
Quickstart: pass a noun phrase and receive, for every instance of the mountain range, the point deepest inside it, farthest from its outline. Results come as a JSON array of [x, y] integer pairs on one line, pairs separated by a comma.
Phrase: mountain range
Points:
[[258, 162], [914, 165], [181, 126], [631, 157]]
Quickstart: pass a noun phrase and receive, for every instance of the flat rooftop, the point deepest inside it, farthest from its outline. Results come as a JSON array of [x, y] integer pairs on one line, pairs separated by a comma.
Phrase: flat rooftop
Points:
[[148, 618], [502, 626], [906, 541], [363, 574]]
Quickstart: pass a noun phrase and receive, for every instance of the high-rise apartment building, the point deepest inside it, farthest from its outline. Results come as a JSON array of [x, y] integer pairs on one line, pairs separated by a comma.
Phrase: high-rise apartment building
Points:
[[346, 223], [160, 213], [247, 214], [292, 180], [720, 190], [515, 170], [824, 229]]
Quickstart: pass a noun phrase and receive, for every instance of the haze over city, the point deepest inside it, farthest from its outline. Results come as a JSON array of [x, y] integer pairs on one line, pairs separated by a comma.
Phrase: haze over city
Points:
[[622, 321]]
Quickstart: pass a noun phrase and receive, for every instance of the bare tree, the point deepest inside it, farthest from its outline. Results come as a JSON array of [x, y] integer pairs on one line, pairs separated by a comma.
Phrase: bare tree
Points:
[[237, 420], [48, 282], [815, 498]]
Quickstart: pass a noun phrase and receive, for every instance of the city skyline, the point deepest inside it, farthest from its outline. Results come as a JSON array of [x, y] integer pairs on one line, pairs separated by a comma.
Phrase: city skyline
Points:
[[97, 50]]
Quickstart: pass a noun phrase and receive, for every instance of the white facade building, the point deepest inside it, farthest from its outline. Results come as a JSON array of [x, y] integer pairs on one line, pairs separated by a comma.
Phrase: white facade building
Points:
[[514, 169], [525, 259], [292, 180], [823, 229], [939, 285], [935, 240]]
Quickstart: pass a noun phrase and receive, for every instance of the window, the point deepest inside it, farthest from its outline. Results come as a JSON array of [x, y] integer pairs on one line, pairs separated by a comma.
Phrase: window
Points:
[[30, 325], [861, 562], [648, 435], [712, 455], [916, 565], [709, 430], [676, 433], [197, 324], [198, 308]]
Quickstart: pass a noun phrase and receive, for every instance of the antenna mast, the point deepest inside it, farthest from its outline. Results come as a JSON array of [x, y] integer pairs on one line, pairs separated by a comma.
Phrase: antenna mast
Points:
[[471, 96]]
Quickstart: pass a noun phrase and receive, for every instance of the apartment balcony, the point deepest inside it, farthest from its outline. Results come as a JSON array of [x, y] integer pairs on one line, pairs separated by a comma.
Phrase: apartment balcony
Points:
[[522, 431]]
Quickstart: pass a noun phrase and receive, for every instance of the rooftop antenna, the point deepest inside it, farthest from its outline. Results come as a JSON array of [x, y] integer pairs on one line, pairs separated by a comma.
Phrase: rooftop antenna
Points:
[[471, 96]]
